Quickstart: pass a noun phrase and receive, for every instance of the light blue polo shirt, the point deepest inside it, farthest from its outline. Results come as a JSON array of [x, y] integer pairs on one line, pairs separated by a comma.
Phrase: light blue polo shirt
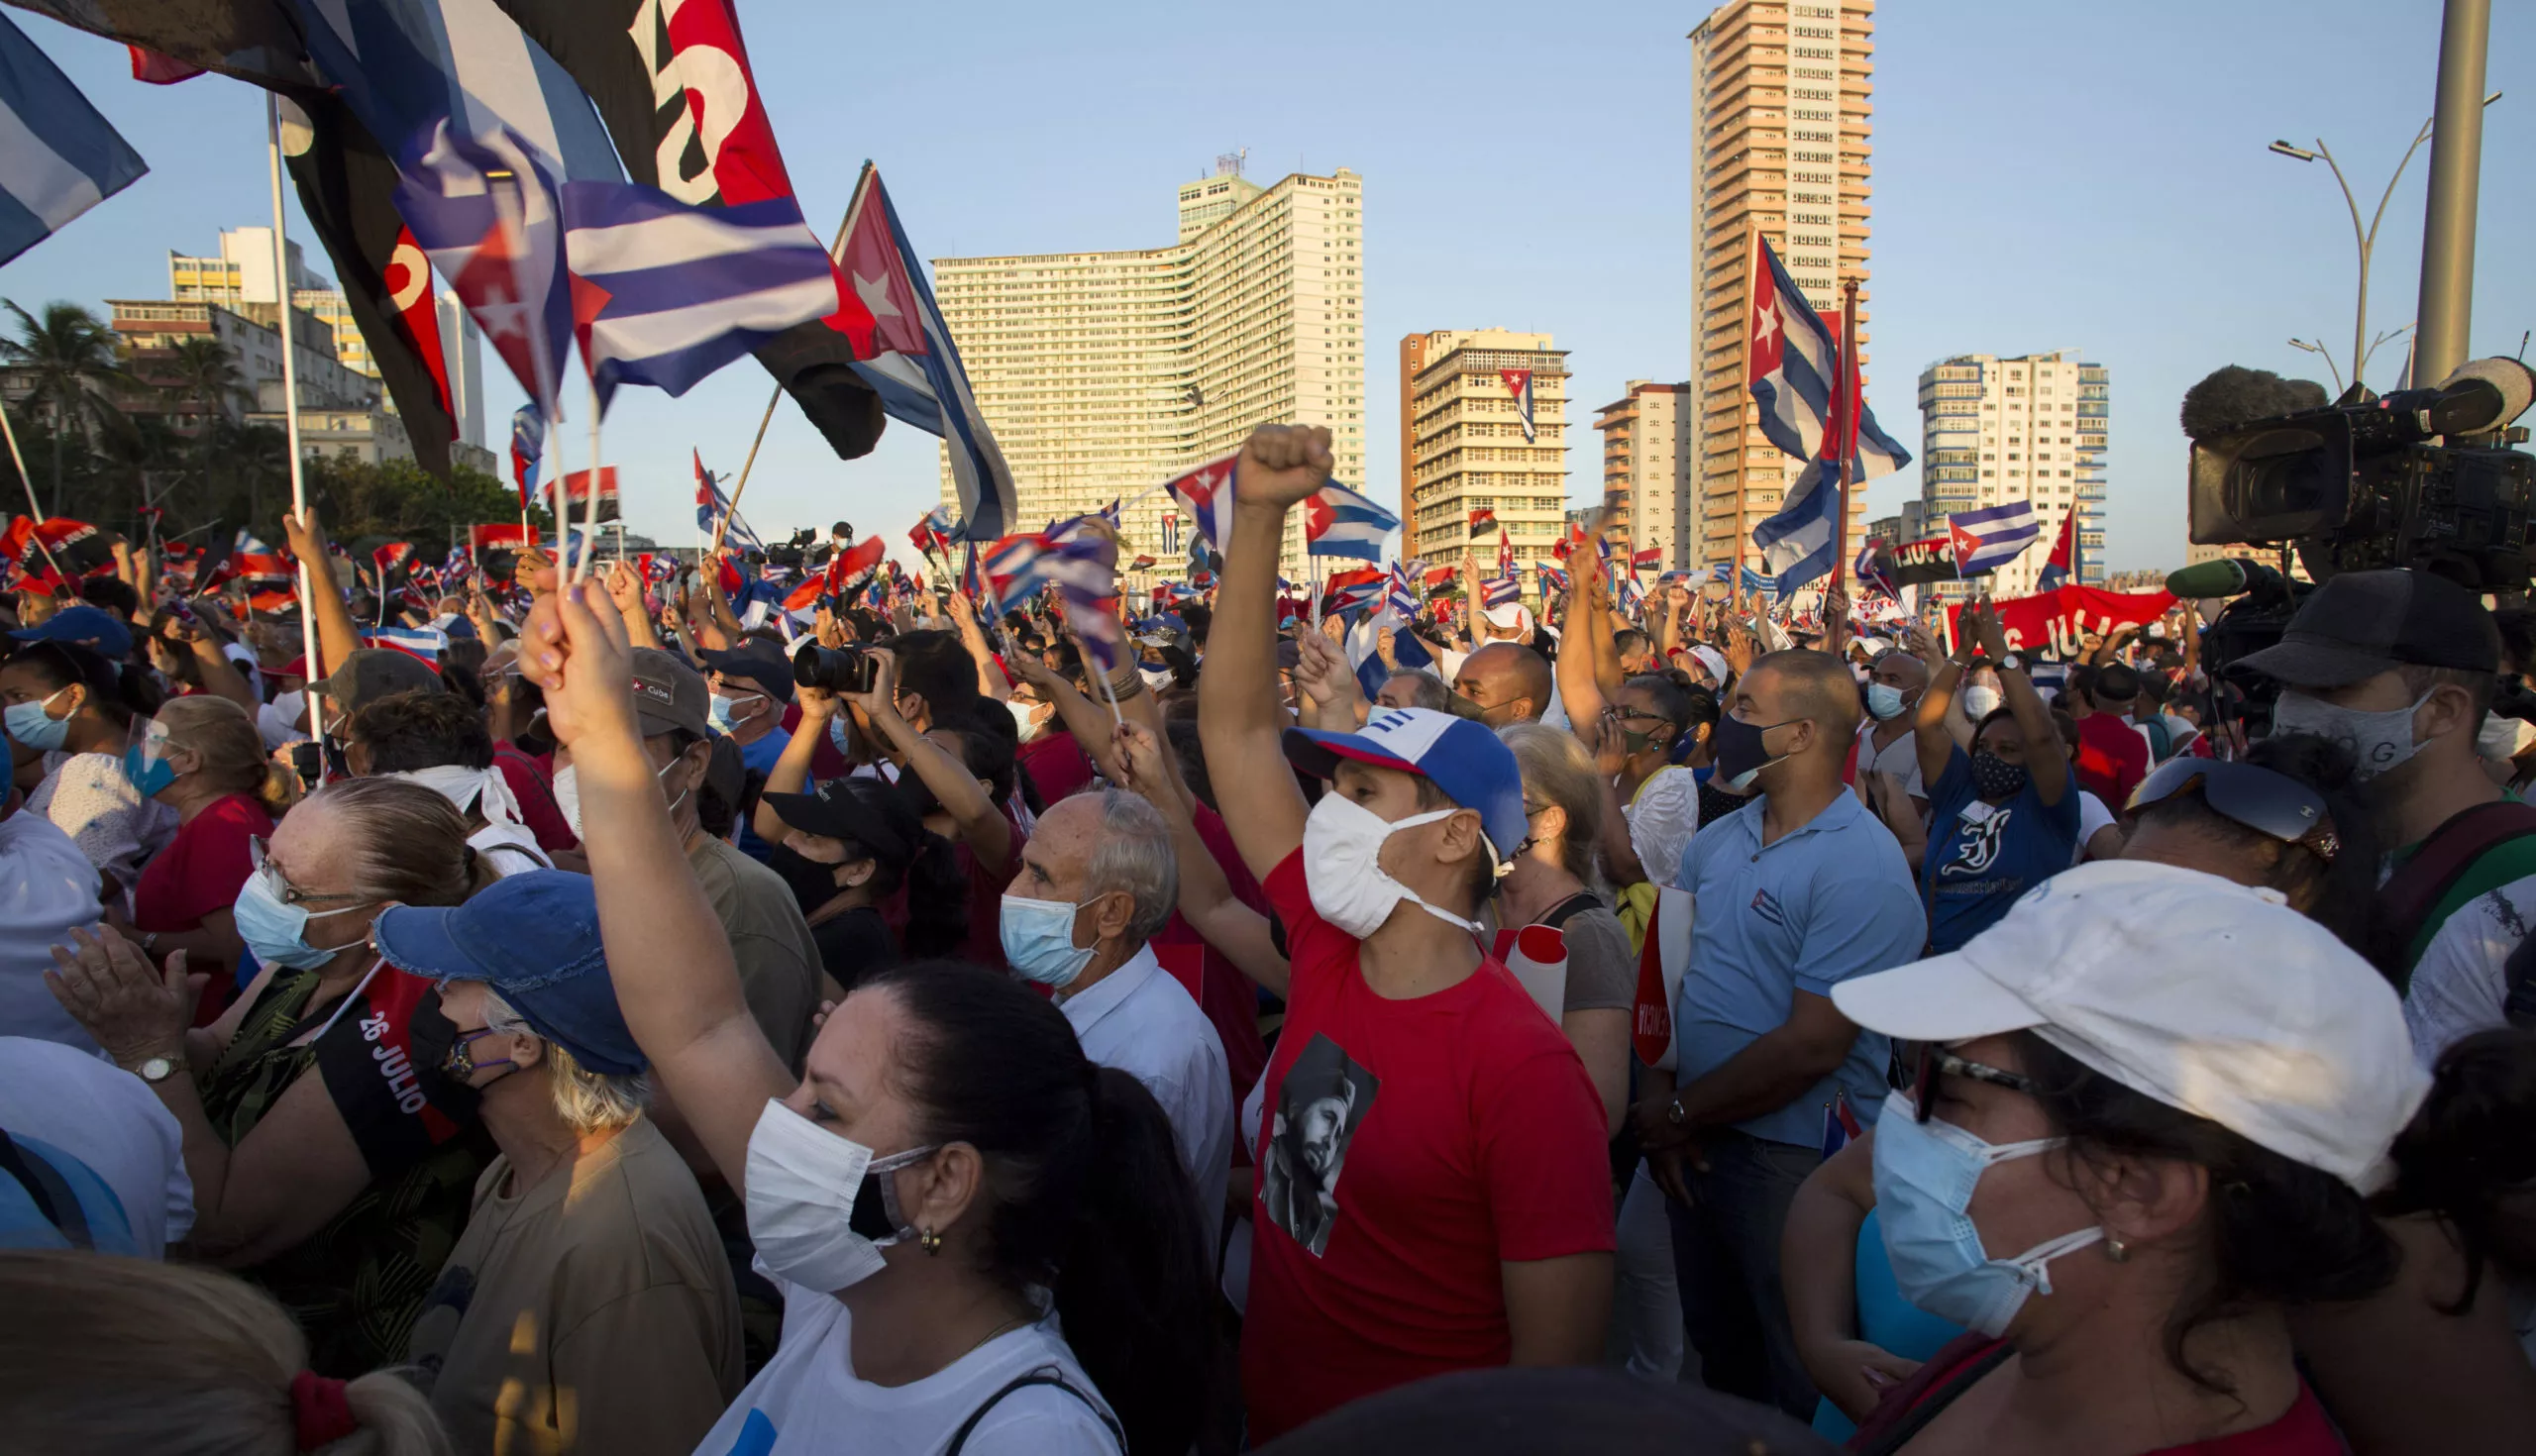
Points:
[[1830, 900]]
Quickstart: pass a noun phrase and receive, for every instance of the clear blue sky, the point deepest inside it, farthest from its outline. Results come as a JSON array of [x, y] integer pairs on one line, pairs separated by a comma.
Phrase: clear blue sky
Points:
[[2046, 176]]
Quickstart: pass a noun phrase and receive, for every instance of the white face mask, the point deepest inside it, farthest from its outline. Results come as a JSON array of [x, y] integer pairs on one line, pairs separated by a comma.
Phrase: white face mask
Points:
[[817, 1213], [1980, 703], [2503, 738], [1343, 849], [1021, 711]]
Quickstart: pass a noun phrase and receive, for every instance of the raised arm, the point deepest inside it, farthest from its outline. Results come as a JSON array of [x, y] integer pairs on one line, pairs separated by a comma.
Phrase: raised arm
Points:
[[1476, 628], [987, 833], [336, 637], [674, 976], [991, 678], [1237, 707], [1930, 735], [1579, 667], [1322, 676], [792, 771], [2045, 764], [625, 588], [1206, 899]]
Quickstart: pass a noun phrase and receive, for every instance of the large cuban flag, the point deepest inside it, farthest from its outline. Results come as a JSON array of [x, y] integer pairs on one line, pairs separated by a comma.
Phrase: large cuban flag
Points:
[[58, 157], [1994, 536]]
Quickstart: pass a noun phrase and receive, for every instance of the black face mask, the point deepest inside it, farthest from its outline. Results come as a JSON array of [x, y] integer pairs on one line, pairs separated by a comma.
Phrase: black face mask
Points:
[[1995, 778], [428, 1037], [813, 883]]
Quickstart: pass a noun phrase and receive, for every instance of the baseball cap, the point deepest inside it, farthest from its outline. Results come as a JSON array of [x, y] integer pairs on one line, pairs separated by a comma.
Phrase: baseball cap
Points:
[[2363, 623], [756, 661], [668, 693], [534, 939], [838, 811], [1459, 756], [1512, 616], [2213, 997], [2117, 683], [370, 673], [89, 626]]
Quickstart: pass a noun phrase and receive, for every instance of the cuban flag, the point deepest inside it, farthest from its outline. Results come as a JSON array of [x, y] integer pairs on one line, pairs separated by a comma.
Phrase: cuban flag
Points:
[[427, 642], [1994, 536], [1207, 495], [1840, 1124], [711, 507], [484, 210], [1338, 521], [1171, 533], [1500, 591], [1009, 570], [57, 155], [2063, 567], [1084, 567], [1752, 581], [1553, 580], [1519, 382], [1347, 592], [528, 439], [912, 363], [933, 532], [663, 293], [1869, 570], [457, 565]]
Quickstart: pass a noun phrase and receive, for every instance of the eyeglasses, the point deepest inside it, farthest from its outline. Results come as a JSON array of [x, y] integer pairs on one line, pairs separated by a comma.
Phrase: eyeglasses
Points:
[[2264, 801], [1935, 1062], [283, 891]]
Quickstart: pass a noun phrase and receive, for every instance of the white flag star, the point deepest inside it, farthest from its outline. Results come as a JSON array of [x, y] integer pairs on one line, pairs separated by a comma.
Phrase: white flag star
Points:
[[1766, 320], [875, 293]]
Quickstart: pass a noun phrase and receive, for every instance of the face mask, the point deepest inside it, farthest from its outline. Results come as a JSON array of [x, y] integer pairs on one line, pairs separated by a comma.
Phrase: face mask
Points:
[[2377, 742], [2501, 737], [720, 714], [1994, 777], [1884, 700], [1157, 679], [1342, 870], [278, 932], [817, 1214], [1022, 720], [429, 1038], [836, 735], [813, 883], [28, 723], [1038, 939], [1980, 703], [568, 797], [1924, 1174], [147, 774], [1740, 754]]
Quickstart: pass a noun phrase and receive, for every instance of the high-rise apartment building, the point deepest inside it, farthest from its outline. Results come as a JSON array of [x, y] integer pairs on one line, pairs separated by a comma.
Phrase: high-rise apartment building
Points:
[[1105, 373], [1646, 470], [1466, 446], [1779, 127], [2033, 428]]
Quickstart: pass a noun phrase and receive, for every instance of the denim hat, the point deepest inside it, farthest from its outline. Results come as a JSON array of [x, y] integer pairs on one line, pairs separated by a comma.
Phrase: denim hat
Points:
[[89, 626], [533, 938], [1470, 763]]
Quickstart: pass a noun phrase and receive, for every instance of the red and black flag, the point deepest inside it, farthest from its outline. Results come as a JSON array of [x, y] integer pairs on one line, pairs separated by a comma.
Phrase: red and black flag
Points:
[[576, 494], [55, 553]]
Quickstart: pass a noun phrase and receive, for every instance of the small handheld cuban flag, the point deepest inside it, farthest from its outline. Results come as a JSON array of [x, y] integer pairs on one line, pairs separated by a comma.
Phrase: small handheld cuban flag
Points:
[[1869, 570], [1207, 495], [528, 441], [1994, 536], [1519, 382], [1840, 1124], [1500, 591], [1553, 580], [61, 157], [1338, 521]]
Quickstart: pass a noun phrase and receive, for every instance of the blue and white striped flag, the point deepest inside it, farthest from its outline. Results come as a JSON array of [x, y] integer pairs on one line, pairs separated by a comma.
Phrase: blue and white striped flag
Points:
[[58, 157], [1338, 521], [1994, 536]]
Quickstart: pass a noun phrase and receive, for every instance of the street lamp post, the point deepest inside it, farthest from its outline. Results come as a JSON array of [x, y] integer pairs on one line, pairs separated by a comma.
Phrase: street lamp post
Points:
[[2366, 236]]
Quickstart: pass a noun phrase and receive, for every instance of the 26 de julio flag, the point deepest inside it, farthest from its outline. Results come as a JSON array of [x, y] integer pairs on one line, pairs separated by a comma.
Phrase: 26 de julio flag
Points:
[[1482, 521]]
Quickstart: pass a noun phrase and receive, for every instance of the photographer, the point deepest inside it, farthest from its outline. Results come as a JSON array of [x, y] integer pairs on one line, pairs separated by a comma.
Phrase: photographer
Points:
[[2399, 665]]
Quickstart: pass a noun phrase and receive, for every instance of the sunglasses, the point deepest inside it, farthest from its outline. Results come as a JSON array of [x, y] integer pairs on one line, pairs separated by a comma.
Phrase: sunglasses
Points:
[[1937, 1061], [2269, 803]]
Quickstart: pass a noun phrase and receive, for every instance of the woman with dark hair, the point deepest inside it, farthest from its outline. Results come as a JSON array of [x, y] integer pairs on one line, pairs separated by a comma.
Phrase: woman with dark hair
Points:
[[2003, 818], [2283, 817], [73, 712], [952, 1180], [2440, 1361], [2144, 1111], [846, 850]]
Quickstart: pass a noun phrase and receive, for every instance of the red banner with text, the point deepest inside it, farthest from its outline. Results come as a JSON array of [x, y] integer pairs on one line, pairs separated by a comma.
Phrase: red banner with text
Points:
[[2054, 621]]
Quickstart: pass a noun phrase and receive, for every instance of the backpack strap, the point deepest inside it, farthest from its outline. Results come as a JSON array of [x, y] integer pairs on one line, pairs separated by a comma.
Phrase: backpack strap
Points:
[[1882, 1439], [2407, 898], [1575, 904], [1045, 1375]]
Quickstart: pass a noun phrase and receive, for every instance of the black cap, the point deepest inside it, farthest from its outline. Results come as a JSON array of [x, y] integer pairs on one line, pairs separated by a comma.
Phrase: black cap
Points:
[[840, 810], [1550, 1412], [756, 661], [2363, 623]]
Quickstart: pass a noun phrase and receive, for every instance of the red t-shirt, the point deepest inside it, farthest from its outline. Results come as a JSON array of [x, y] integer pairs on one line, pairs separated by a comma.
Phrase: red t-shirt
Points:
[[2112, 759], [202, 869], [1228, 998], [534, 786], [1409, 1148], [2301, 1430], [1057, 765]]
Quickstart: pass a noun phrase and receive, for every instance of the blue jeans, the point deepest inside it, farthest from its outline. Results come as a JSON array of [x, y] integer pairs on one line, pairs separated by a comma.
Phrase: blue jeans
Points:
[[1726, 1261]]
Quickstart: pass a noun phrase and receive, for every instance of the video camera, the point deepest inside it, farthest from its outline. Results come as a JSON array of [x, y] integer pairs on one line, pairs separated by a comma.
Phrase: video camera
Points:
[[795, 553]]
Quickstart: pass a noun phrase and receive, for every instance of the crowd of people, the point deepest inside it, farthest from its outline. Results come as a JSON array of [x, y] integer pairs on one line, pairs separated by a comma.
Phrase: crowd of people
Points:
[[632, 1028]]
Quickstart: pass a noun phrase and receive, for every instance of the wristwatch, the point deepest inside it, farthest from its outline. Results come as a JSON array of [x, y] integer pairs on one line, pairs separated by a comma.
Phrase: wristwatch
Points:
[[155, 1069], [1673, 1112], [2014, 661]]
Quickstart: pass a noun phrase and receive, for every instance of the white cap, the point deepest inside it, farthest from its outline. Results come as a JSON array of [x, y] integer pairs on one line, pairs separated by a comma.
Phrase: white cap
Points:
[[2210, 996], [1512, 616], [1714, 661]]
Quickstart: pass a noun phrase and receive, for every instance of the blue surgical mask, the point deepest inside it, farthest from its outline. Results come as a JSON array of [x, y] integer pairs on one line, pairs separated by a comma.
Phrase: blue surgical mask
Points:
[[1924, 1174], [278, 932], [29, 724], [720, 714], [1884, 700], [149, 776], [1038, 939]]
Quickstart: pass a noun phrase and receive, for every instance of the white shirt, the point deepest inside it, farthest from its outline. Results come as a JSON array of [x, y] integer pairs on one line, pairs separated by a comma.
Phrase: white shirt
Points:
[[2457, 985], [1139, 1020], [46, 887], [108, 1119], [1662, 816], [2092, 816], [808, 1399], [90, 798], [1900, 758]]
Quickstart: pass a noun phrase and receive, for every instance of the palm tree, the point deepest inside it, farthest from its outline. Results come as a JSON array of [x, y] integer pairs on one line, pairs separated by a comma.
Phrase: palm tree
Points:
[[204, 373], [72, 358]]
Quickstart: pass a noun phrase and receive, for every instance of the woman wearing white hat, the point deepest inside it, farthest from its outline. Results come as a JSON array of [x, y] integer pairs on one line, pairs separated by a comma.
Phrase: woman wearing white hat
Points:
[[2146, 1107]]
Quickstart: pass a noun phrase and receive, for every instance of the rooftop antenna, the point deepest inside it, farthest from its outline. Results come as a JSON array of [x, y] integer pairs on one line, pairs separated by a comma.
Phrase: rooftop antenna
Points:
[[1229, 163]]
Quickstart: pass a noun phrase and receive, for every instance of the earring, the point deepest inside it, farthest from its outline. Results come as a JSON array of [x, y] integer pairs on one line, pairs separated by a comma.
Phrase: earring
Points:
[[930, 1240], [2116, 1250]]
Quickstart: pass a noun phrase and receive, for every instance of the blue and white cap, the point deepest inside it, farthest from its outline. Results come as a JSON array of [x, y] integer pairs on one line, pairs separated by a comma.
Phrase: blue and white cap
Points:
[[1460, 756]]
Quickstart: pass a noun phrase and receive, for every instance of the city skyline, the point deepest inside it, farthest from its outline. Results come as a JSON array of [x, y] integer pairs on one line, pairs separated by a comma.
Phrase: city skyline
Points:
[[2041, 178]]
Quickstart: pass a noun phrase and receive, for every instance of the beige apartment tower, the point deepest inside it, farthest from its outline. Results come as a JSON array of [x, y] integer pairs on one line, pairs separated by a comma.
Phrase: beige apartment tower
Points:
[[1466, 450], [2032, 427], [1780, 120], [1646, 471], [1105, 373]]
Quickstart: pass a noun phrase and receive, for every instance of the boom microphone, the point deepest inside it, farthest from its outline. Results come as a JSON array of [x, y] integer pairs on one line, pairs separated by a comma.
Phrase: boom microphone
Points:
[[2483, 395], [2226, 576], [2236, 396]]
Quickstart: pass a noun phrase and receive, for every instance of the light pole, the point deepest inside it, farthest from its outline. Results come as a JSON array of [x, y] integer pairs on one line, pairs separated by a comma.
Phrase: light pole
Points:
[[2366, 236]]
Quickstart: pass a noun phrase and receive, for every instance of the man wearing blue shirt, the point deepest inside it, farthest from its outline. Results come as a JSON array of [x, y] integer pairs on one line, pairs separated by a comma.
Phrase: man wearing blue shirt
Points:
[[1798, 891]]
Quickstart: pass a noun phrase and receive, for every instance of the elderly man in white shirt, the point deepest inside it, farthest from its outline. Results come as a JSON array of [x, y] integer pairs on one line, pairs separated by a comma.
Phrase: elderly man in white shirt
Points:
[[1097, 882]]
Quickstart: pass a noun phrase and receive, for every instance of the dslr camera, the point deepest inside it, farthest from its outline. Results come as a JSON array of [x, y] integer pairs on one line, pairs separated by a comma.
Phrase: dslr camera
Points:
[[847, 668]]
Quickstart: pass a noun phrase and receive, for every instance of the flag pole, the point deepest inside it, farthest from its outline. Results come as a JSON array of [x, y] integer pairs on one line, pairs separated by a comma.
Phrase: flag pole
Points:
[[777, 397], [290, 416], [589, 513], [28, 482], [1846, 425], [1743, 394]]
